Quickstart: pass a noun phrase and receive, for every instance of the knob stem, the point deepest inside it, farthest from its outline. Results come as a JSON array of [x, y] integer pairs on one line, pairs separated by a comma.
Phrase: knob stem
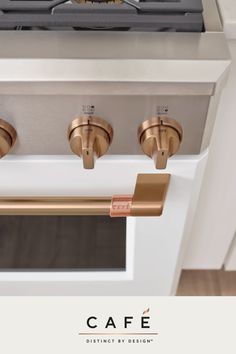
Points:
[[88, 149], [161, 149]]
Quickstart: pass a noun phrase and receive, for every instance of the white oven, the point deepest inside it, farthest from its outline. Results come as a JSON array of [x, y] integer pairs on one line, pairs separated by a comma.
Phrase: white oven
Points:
[[105, 85]]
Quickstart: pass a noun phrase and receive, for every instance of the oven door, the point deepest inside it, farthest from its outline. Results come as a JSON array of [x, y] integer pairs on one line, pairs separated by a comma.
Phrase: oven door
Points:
[[94, 255]]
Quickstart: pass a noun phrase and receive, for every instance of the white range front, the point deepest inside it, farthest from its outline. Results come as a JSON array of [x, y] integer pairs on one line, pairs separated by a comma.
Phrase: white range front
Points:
[[49, 78]]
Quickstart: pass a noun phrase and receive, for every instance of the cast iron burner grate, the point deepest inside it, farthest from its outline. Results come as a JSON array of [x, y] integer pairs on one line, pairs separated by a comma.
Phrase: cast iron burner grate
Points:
[[126, 15]]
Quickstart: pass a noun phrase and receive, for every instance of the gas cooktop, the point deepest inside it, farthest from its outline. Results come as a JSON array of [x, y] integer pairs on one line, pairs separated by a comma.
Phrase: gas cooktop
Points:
[[120, 15]]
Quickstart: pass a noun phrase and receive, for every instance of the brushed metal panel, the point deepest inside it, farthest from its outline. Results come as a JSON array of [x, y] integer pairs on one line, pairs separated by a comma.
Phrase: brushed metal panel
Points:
[[61, 45], [41, 121]]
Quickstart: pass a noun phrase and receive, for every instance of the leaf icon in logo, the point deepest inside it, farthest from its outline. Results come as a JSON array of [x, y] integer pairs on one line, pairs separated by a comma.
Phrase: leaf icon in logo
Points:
[[146, 311]]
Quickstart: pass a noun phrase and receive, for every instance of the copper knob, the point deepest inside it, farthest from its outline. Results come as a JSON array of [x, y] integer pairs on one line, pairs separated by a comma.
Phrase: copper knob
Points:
[[90, 138], [7, 137], [160, 138]]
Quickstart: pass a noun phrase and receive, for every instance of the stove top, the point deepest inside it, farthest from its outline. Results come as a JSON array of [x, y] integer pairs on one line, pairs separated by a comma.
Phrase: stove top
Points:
[[115, 15]]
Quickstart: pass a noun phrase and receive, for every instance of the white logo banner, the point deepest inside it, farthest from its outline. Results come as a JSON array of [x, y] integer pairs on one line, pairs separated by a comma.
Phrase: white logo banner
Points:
[[72, 325]]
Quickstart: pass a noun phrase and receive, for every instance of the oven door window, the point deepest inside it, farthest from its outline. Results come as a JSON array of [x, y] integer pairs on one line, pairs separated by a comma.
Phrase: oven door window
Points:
[[62, 243]]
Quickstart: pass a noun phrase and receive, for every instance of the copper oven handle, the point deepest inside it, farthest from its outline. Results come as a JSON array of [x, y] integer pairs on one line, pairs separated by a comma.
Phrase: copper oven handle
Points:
[[148, 200]]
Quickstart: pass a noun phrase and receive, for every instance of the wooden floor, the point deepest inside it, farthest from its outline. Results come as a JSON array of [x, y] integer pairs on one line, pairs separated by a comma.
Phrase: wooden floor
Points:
[[207, 283]]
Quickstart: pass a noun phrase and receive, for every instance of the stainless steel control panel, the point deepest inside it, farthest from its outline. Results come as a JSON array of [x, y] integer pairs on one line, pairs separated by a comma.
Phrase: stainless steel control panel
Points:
[[41, 121]]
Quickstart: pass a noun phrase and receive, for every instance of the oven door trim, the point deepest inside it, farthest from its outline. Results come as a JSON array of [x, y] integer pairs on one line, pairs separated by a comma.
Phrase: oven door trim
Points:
[[154, 245]]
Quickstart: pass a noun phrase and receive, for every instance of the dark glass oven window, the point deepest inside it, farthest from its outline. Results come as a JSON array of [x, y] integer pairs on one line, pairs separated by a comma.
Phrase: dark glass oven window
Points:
[[62, 243]]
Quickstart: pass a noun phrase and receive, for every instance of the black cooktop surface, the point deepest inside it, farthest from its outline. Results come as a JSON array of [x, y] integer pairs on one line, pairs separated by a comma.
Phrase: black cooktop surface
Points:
[[120, 15]]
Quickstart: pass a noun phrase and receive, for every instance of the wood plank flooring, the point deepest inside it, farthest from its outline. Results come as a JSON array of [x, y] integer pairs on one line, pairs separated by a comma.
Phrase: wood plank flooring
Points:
[[207, 283]]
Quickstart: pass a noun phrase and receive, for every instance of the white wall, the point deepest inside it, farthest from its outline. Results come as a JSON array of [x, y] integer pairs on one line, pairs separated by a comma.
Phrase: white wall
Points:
[[215, 220]]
